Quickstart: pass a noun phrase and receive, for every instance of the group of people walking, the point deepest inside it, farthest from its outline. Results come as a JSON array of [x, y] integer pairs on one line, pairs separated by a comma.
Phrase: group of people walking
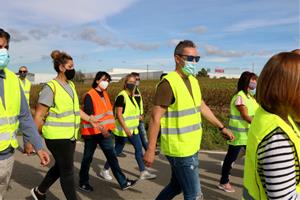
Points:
[[265, 123]]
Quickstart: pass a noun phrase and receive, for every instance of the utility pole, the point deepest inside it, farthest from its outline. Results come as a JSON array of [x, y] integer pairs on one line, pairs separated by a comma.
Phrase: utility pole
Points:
[[253, 67], [147, 72]]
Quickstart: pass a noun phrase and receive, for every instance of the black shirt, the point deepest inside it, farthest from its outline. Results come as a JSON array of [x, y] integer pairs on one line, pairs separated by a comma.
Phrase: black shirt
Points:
[[120, 102]]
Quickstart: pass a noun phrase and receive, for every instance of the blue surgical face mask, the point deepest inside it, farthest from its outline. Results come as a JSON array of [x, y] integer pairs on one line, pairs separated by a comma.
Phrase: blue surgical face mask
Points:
[[4, 58], [253, 92], [189, 68]]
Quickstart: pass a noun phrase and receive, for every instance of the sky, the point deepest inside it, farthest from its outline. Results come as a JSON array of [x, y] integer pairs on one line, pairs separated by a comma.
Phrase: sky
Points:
[[101, 35]]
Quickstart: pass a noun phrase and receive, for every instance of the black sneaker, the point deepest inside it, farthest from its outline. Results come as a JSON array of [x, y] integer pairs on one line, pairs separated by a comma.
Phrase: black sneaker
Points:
[[122, 155], [36, 195], [129, 184], [86, 187]]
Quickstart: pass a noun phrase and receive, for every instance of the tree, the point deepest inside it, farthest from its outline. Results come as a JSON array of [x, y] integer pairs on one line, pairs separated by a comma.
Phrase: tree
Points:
[[202, 73], [79, 77]]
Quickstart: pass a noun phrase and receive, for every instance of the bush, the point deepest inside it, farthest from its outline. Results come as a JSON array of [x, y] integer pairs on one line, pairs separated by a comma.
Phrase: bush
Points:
[[216, 93]]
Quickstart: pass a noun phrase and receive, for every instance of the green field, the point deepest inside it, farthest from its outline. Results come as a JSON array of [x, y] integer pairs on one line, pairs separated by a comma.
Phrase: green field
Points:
[[216, 93]]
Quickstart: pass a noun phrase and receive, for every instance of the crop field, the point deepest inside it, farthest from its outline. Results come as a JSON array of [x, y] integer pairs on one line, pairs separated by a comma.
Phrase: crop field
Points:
[[217, 94]]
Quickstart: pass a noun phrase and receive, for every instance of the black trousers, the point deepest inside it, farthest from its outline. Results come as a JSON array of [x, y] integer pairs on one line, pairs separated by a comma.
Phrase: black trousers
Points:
[[63, 153], [231, 156]]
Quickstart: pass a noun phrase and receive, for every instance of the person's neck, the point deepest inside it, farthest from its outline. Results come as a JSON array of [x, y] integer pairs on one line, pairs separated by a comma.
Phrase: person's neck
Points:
[[98, 89], [129, 92], [62, 78], [182, 75]]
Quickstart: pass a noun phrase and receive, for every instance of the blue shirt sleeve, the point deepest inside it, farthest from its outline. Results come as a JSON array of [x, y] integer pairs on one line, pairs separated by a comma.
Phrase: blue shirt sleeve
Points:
[[27, 126]]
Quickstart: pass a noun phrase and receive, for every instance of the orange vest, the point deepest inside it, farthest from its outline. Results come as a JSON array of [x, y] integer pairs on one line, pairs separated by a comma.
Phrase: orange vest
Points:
[[103, 113]]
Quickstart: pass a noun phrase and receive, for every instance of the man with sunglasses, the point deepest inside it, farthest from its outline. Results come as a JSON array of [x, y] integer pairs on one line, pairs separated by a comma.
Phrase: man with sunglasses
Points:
[[14, 116], [26, 86], [177, 109], [25, 83]]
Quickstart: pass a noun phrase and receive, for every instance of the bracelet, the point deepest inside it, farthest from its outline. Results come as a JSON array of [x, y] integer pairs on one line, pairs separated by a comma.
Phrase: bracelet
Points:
[[221, 128]]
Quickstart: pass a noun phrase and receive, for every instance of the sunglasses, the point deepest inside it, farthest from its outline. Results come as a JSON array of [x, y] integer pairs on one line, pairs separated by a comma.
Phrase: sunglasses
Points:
[[22, 72], [190, 58]]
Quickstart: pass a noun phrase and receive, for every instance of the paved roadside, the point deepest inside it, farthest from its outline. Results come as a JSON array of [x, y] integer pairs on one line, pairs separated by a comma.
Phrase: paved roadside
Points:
[[27, 173]]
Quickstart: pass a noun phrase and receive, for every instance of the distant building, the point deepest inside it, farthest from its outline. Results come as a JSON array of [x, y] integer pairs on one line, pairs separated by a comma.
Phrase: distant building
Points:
[[38, 78], [118, 73]]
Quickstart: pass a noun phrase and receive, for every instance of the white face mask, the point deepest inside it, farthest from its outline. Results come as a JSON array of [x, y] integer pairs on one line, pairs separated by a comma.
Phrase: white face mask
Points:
[[103, 85]]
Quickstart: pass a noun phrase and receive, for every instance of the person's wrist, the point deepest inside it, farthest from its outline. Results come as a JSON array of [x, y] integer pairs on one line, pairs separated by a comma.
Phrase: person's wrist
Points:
[[221, 128]]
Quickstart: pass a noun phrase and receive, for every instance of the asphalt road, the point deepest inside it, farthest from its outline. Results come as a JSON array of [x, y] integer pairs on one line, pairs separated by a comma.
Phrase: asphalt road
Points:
[[28, 173]]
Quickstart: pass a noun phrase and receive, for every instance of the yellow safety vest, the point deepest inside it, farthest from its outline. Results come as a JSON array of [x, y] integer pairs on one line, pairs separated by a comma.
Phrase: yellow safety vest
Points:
[[237, 124], [63, 120], [263, 124], [26, 88], [131, 116], [9, 122], [181, 131], [141, 102]]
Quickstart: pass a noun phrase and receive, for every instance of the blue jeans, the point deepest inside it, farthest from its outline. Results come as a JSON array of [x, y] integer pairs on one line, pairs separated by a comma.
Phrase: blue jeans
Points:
[[106, 145], [143, 135], [184, 177], [136, 142]]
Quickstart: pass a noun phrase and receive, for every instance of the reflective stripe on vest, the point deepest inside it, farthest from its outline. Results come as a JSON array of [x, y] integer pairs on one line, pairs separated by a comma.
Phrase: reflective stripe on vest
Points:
[[64, 114], [182, 113], [181, 130], [102, 110], [262, 125], [130, 115], [237, 124], [9, 122], [63, 120]]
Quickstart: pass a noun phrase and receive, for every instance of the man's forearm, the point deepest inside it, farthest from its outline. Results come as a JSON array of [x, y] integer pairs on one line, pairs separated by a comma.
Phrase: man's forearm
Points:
[[154, 127], [209, 115]]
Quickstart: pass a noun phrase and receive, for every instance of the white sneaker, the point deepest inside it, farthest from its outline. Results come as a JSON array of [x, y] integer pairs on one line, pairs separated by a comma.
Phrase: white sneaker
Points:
[[150, 169], [147, 175], [105, 174]]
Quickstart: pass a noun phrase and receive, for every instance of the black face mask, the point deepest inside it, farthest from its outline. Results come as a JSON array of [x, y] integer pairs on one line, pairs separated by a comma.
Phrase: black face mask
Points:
[[130, 86], [70, 73], [22, 75]]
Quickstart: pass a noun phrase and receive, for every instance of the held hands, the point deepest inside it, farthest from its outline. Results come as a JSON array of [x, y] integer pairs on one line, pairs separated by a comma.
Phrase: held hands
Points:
[[228, 134], [44, 157], [128, 132], [92, 120]]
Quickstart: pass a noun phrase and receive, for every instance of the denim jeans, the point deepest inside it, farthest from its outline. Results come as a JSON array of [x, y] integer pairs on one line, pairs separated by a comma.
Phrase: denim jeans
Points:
[[231, 156], [106, 145], [136, 142], [184, 178], [119, 145], [143, 135]]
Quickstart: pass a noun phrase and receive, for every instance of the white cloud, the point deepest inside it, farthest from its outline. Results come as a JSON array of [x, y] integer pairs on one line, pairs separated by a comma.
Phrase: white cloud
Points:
[[259, 23], [17, 36], [65, 13], [198, 29], [143, 46], [91, 35], [216, 59], [174, 42], [213, 50]]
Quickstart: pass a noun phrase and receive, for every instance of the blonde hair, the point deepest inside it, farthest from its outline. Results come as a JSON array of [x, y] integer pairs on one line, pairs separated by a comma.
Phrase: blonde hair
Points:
[[126, 78], [278, 86]]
